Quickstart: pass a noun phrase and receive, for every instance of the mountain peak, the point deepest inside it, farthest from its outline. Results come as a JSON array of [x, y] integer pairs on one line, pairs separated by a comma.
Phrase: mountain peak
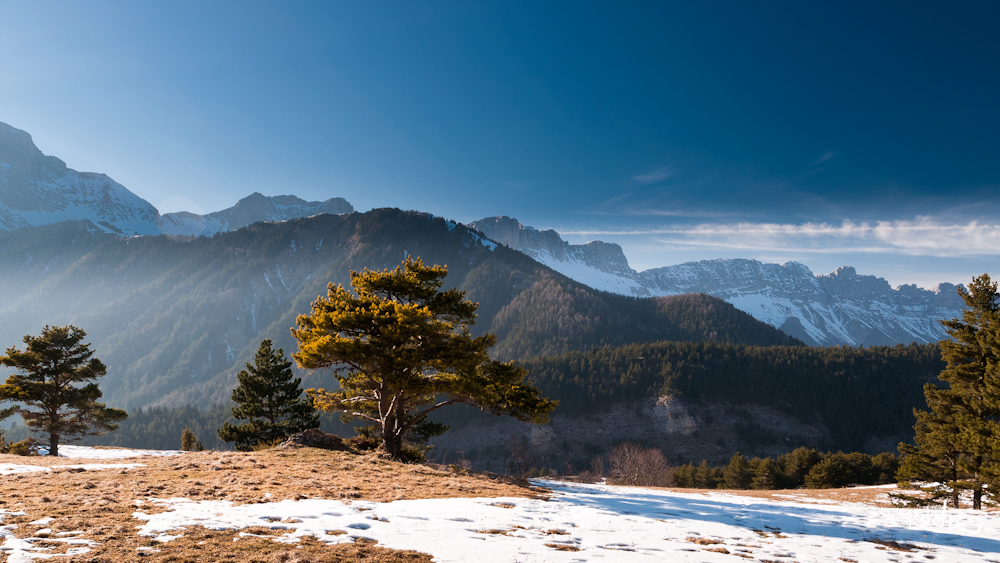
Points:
[[550, 249], [36, 189]]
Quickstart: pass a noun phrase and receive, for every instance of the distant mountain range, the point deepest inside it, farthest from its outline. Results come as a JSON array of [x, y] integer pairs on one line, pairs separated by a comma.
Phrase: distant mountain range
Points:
[[174, 320], [36, 189], [838, 308]]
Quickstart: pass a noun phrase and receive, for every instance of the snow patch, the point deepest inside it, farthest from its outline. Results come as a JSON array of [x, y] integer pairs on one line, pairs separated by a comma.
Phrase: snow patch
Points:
[[600, 523]]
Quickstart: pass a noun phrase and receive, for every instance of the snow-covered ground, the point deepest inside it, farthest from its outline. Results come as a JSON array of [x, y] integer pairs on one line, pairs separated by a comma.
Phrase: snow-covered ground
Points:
[[24, 550], [605, 523], [87, 452]]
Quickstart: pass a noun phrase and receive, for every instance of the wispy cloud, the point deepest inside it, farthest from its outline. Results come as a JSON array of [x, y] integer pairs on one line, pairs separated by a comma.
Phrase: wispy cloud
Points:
[[922, 236], [654, 176], [826, 156]]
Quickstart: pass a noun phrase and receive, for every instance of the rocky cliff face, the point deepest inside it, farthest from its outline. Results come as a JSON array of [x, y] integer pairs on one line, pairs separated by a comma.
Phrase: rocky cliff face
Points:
[[600, 265], [842, 307], [36, 189]]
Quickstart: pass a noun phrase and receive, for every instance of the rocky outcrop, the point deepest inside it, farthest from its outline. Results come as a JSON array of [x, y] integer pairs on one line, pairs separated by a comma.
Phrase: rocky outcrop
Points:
[[683, 431], [315, 438]]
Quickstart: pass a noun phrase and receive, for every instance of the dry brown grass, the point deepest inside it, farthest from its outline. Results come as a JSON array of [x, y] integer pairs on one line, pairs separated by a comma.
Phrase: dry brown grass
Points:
[[703, 541], [101, 503], [562, 547], [861, 495]]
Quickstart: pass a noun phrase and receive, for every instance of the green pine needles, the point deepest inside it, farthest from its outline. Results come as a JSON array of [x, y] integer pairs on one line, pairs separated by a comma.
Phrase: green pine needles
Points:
[[958, 440], [270, 401], [52, 366], [402, 350]]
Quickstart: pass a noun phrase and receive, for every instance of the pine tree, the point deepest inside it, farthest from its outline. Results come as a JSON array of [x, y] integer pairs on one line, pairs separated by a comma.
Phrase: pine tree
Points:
[[403, 349], [957, 440], [52, 365], [270, 401], [765, 474], [737, 475], [190, 442]]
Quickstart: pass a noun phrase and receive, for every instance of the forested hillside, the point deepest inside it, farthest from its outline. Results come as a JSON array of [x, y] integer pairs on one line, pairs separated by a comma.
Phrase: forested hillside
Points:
[[855, 393], [174, 320], [556, 315]]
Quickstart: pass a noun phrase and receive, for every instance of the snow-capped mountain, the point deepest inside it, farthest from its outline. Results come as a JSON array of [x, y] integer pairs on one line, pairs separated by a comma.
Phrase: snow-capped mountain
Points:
[[36, 189], [838, 308], [251, 209]]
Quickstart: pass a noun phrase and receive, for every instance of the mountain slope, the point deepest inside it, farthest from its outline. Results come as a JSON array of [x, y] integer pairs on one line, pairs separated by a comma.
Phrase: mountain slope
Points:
[[36, 189], [175, 320], [839, 308]]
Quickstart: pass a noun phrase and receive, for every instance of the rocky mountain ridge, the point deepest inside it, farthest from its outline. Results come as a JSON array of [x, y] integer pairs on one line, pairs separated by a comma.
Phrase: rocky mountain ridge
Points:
[[36, 189], [842, 307]]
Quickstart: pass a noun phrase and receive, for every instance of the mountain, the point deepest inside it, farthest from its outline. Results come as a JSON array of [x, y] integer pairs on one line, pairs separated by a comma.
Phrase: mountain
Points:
[[36, 189], [251, 209], [842, 307], [175, 319]]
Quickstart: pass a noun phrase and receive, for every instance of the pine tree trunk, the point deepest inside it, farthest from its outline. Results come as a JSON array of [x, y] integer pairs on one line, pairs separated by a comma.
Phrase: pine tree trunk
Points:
[[392, 440], [954, 496], [977, 498], [53, 444], [392, 446]]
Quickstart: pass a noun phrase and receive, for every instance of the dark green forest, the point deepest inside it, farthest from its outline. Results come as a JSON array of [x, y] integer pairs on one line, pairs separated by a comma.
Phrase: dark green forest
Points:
[[854, 392], [802, 467], [556, 315]]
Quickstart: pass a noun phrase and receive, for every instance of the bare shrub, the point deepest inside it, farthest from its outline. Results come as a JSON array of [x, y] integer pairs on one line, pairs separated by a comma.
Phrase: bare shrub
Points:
[[632, 464], [598, 468], [520, 458]]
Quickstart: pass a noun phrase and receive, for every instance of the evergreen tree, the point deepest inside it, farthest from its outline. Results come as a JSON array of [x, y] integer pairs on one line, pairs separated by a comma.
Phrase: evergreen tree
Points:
[[956, 441], [52, 365], [403, 349], [738, 475], [190, 442], [766, 474], [270, 401]]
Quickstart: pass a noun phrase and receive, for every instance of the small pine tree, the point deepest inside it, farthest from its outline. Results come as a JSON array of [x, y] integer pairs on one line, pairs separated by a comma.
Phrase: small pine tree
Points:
[[738, 474], [190, 442], [50, 366], [270, 401]]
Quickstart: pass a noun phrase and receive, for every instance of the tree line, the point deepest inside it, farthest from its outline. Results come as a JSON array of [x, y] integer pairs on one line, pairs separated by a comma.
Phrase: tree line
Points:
[[802, 467], [854, 392]]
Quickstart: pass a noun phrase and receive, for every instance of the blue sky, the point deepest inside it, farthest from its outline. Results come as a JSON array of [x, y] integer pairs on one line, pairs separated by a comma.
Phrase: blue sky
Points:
[[827, 133]]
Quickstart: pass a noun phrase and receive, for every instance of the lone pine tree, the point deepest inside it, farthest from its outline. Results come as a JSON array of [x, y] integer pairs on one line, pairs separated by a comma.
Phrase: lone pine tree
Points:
[[958, 440], [402, 349], [270, 400], [51, 366], [190, 442]]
